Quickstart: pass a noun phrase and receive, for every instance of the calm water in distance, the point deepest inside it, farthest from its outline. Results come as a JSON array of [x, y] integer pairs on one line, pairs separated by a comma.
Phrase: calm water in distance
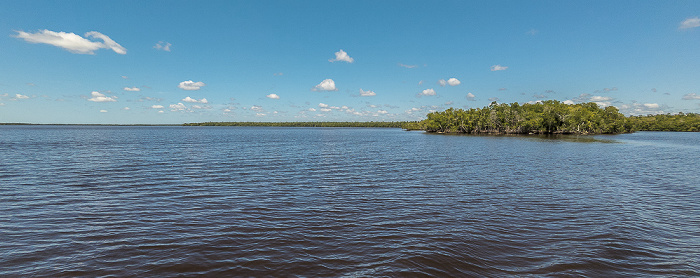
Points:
[[345, 202]]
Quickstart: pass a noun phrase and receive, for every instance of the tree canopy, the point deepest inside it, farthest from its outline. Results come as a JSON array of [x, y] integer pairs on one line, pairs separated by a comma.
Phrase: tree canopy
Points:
[[546, 117]]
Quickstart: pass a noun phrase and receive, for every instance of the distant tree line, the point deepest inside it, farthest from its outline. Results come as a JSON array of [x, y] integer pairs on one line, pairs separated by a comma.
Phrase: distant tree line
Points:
[[667, 122], [550, 117], [303, 124]]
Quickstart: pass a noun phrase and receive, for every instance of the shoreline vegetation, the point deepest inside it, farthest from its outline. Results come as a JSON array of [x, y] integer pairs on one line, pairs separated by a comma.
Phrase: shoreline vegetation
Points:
[[546, 117], [550, 117]]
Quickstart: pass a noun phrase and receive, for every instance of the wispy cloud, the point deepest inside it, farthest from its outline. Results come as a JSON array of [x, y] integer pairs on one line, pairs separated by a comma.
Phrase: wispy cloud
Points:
[[161, 45], [132, 89], [688, 23], [367, 93], [342, 56], [691, 96], [72, 42], [407, 66], [498, 67]]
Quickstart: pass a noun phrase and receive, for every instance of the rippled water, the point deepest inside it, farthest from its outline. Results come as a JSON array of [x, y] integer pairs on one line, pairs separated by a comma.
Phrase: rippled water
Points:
[[287, 202]]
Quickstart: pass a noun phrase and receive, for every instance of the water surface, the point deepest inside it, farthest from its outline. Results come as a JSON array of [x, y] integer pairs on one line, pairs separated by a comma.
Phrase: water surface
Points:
[[299, 202]]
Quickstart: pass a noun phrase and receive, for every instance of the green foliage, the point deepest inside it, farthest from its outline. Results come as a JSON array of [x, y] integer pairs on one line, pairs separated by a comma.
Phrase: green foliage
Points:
[[548, 117], [303, 124], [667, 122]]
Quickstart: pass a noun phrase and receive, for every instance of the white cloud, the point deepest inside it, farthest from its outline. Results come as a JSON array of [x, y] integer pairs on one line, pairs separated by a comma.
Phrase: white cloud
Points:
[[651, 105], [72, 42], [161, 112], [126, 108], [691, 96], [382, 112], [189, 85], [161, 45], [325, 109], [453, 81], [471, 97], [364, 93], [690, 23], [600, 98], [312, 109], [179, 106], [407, 66], [442, 82], [492, 99], [428, 92], [322, 105], [97, 97], [325, 85], [420, 82], [498, 67], [18, 96], [342, 56], [568, 101], [256, 108], [192, 100], [157, 106], [132, 89], [273, 96], [103, 111]]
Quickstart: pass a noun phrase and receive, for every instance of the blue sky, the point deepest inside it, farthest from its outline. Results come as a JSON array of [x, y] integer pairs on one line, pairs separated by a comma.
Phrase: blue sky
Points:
[[126, 62]]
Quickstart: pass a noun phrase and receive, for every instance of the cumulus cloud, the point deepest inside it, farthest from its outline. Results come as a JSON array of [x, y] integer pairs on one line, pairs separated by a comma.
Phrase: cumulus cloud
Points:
[[132, 89], [367, 93], [178, 107], [325, 85], [688, 23], [190, 85], [453, 81], [471, 97], [98, 97], [691, 96], [341, 56], [72, 42], [498, 67], [192, 100], [322, 105], [442, 82], [651, 105], [273, 96], [256, 108], [568, 101], [325, 109], [157, 106], [161, 45], [428, 92]]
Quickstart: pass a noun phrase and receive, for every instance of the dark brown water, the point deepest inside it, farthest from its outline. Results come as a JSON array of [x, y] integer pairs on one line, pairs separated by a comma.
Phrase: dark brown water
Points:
[[309, 202]]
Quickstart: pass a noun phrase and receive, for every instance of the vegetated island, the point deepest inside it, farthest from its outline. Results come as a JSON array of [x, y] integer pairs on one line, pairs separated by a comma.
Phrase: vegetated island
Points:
[[550, 117]]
